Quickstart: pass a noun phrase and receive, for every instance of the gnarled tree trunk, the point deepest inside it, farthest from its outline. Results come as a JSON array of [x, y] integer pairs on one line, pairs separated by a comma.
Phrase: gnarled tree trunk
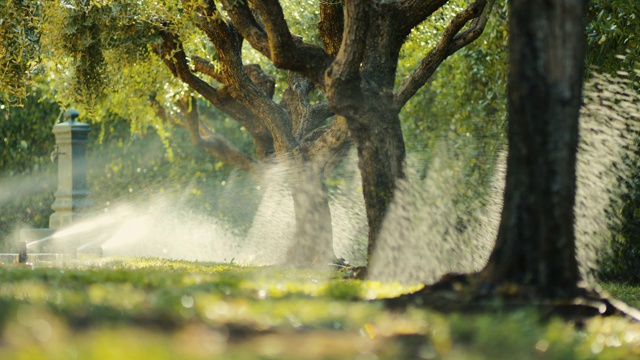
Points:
[[312, 158], [381, 157]]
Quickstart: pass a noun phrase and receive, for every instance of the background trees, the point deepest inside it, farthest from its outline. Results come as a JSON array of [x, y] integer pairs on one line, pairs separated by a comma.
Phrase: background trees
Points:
[[115, 48]]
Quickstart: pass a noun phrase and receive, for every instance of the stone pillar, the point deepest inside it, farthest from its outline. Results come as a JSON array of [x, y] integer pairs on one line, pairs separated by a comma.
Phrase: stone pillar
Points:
[[73, 189]]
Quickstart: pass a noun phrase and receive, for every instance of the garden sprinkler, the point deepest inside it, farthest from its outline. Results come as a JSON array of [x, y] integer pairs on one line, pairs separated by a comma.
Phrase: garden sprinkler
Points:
[[22, 253]]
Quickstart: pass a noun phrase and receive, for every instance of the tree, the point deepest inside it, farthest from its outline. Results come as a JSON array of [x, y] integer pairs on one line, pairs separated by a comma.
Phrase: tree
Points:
[[536, 241], [534, 258], [349, 73], [355, 69]]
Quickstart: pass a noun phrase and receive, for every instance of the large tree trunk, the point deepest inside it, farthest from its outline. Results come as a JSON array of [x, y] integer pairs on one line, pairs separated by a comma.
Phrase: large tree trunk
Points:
[[361, 89], [381, 156], [315, 157], [536, 244]]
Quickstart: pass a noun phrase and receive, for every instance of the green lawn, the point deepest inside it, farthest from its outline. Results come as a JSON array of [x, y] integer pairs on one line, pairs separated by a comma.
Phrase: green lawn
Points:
[[159, 309]]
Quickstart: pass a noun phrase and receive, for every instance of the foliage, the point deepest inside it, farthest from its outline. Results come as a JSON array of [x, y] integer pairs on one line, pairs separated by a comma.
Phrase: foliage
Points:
[[19, 49], [462, 110], [161, 309], [613, 33], [27, 135], [25, 145], [76, 46]]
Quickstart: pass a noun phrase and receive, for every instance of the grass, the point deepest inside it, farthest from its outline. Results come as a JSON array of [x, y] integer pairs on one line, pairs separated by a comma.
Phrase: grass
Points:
[[161, 309], [628, 293]]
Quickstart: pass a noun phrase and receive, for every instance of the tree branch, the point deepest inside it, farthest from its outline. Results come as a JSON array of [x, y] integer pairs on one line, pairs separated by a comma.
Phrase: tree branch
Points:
[[262, 80], [451, 41], [265, 82], [325, 142], [281, 42], [213, 143], [243, 79], [318, 113], [416, 11], [206, 67], [475, 29], [201, 136], [285, 51], [243, 19], [343, 77], [294, 98], [224, 37], [172, 54], [305, 117], [331, 25]]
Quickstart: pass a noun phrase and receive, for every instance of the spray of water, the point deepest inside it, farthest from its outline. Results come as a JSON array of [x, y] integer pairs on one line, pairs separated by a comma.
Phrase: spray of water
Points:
[[421, 239], [609, 127], [14, 188], [425, 234], [273, 228], [160, 226]]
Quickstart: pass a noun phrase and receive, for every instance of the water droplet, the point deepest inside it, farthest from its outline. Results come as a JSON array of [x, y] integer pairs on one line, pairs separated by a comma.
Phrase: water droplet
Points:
[[542, 345], [602, 308], [42, 330], [187, 301]]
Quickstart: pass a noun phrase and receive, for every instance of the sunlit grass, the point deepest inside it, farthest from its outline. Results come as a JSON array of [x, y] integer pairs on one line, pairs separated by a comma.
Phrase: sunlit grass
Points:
[[163, 309], [628, 293]]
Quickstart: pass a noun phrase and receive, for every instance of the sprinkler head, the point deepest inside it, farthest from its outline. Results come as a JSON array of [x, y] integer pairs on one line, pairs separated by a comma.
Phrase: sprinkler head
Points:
[[22, 253]]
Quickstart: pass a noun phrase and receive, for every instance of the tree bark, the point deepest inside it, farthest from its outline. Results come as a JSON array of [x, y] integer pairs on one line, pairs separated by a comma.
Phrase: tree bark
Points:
[[536, 244], [381, 157], [313, 239], [316, 152]]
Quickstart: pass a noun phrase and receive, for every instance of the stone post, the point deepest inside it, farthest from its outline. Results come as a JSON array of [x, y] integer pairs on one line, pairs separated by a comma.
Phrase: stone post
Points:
[[73, 189]]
